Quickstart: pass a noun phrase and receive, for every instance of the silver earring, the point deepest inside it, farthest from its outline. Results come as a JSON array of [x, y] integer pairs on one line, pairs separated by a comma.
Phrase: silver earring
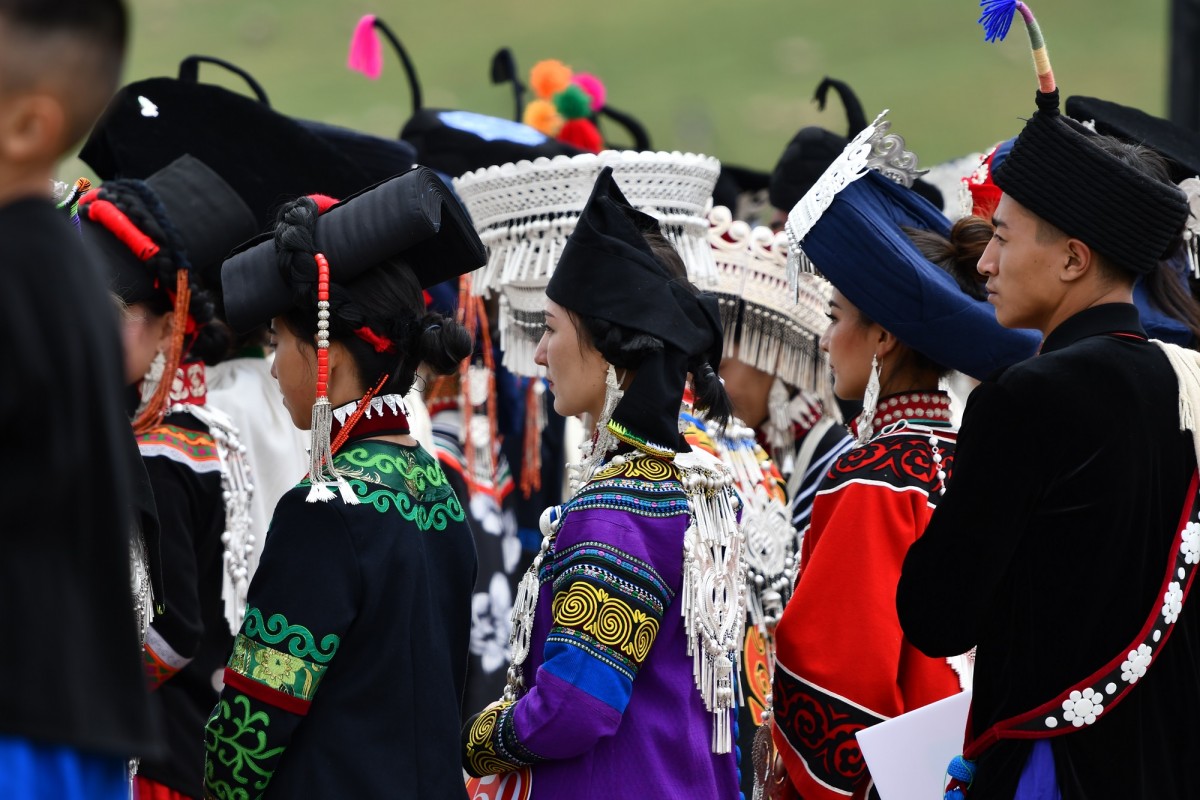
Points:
[[866, 421]]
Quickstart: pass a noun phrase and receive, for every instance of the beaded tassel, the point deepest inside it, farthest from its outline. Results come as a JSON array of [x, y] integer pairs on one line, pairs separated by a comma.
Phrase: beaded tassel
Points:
[[321, 470]]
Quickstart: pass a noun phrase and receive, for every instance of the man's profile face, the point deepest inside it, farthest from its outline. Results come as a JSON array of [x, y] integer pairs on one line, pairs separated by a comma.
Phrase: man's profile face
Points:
[[1020, 264]]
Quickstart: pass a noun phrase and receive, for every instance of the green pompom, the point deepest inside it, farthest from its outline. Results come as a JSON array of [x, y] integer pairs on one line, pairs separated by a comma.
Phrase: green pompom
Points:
[[573, 102]]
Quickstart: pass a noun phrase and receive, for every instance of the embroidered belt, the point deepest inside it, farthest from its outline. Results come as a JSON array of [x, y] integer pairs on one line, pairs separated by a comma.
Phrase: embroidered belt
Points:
[[1084, 702]]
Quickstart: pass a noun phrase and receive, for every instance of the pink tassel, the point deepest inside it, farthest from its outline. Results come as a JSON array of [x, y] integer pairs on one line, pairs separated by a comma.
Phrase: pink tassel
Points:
[[366, 51]]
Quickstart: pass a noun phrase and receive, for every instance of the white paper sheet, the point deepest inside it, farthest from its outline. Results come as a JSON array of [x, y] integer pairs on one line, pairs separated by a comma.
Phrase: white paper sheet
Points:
[[908, 755]]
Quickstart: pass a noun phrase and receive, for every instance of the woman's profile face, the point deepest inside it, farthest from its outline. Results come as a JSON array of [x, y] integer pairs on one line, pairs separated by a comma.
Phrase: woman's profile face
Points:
[[575, 370], [295, 368], [850, 345]]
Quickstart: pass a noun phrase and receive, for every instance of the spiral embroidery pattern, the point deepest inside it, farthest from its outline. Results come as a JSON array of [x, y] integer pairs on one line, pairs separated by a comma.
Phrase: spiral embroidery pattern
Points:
[[610, 620]]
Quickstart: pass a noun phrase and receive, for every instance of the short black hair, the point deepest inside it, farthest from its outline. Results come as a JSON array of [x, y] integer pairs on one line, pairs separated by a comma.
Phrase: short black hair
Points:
[[104, 22]]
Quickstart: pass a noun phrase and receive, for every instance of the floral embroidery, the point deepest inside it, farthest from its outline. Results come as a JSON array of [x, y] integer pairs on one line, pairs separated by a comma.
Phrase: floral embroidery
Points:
[[235, 737], [491, 623], [361, 461], [1172, 603], [299, 639], [1134, 667], [1082, 708], [1190, 547], [273, 668]]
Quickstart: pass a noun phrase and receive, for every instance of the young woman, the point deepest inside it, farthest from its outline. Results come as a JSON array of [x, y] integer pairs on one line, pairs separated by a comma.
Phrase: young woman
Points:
[[899, 321], [613, 632], [155, 237], [346, 675]]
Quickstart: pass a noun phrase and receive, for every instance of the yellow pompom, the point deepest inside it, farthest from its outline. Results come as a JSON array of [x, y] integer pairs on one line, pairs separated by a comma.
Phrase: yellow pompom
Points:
[[543, 116], [549, 77]]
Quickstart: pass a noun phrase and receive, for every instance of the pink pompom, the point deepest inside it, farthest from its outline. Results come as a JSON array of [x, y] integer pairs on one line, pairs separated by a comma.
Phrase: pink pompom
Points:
[[595, 89], [366, 51]]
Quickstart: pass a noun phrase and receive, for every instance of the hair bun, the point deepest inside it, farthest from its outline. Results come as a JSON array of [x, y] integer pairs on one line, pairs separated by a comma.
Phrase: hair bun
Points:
[[441, 343]]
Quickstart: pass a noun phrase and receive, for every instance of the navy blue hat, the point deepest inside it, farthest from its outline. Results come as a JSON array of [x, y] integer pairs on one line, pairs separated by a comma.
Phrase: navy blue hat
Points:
[[859, 246]]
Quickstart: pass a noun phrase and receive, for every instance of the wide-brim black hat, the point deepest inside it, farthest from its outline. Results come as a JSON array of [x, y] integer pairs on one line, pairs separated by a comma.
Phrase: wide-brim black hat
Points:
[[411, 216], [209, 219], [1180, 146], [268, 158]]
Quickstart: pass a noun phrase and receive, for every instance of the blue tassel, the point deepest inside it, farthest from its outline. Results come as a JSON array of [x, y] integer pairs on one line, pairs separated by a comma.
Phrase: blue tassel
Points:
[[962, 770], [997, 18], [955, 794]]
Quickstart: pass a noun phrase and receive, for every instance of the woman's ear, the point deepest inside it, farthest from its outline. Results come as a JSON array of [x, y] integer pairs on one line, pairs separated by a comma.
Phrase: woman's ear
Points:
[[886, 342], [165, 327]]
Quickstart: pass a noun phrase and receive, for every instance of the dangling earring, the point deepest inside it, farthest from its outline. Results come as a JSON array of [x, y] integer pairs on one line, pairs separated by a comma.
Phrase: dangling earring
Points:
[[602, 440], [152, 379], [866, 421]]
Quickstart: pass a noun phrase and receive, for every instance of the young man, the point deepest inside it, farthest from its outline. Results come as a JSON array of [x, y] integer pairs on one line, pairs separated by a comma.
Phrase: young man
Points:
[[1048, 553], [72, 693]]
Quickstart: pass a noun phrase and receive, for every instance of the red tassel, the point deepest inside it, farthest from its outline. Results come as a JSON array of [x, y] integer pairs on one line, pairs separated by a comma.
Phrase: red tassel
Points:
[[366, 51], [382, 344], [114, 220]]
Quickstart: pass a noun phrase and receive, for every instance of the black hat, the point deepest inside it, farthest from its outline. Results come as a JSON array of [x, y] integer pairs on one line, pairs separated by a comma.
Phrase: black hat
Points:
[[1180, 146], [267, 157], [1058, 171], [411, 215], [205, 215], [813, 149], [608, 271]]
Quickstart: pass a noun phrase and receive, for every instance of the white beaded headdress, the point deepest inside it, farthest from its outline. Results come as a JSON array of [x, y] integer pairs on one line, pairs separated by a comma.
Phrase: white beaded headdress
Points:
[[525, 211], [772, 329]]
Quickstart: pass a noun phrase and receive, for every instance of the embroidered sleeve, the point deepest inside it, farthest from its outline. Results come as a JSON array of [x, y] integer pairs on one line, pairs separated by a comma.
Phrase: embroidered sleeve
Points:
[[839, 644], [174, 636], [302, 600], [606, 611]]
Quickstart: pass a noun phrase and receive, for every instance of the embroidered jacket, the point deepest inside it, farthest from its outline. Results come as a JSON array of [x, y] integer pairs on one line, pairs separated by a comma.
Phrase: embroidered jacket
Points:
[[186, 646], [612, 708], [346, 677], [843, 663], [1048, 554]]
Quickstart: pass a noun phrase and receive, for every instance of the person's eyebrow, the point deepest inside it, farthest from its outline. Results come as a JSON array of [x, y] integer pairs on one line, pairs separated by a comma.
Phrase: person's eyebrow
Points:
[[998, 223]]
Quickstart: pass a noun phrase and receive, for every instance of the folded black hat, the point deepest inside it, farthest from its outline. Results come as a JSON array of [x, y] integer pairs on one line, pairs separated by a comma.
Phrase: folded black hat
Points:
[[206, 216], [267, 157], [1180, 146], [608, 271], [413, 216]]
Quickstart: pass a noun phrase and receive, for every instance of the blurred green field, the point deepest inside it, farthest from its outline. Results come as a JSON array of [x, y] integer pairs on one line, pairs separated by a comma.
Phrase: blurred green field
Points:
[[730, 78]]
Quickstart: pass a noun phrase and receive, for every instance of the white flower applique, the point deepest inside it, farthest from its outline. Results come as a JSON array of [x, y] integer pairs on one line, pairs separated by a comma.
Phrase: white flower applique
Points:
[[1172, 603], [491, 624], [1190, 548], [1135, 666], [1082, 708]]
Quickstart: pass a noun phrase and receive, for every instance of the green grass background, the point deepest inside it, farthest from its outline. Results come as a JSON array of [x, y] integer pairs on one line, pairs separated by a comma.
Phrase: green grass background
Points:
[[731, 78]]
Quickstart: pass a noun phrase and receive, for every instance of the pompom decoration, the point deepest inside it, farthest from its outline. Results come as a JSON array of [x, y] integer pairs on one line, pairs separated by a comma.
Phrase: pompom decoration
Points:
[[961, 769], [573, 102], [541, 115], [366, 51], [594, 87], [996, 18], [549, 77], [582, 133]]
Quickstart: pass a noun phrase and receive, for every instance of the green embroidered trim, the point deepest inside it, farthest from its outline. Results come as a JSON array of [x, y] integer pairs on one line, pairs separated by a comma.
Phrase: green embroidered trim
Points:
[[300, 641], [416, 477], [629, 437], [273, 668], [241, 747], [427, 516]]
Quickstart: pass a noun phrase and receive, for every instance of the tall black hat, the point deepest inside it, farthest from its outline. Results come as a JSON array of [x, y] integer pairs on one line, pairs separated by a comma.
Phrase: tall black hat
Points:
[[1180, 146], [813, 149], [608, 271], [1058, 172]]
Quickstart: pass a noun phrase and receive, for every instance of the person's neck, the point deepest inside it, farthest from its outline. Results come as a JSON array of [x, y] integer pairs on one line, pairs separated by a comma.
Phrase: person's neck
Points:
[[20, 182], [1085, 300]]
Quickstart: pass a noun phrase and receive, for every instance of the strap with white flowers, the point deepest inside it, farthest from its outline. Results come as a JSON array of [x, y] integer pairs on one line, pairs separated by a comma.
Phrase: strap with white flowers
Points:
[[1083, 704]]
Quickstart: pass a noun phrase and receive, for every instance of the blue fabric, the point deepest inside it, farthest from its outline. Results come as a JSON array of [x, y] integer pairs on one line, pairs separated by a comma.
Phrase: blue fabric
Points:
[[1157, 324], [31, 771], [584, 669], [492, 128], [1038, 779], [859, 246]]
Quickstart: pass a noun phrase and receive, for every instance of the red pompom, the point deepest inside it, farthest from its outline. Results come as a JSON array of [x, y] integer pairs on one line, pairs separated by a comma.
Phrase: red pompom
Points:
[[582, 133]]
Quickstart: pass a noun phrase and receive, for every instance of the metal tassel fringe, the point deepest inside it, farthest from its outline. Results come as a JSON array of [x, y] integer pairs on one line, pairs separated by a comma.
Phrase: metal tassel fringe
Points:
[[322, 473]]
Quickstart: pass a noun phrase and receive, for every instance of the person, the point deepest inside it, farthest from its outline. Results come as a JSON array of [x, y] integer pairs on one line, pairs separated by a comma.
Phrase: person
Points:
[[346, 675], [1051, 563], [615, 631], [899, 321], [68, 724], [156, 238]]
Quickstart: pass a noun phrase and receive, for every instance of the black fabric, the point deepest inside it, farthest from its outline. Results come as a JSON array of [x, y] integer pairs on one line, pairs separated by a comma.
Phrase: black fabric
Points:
[[192, 518], [413, 216], [1048, 552], [1180, 146], [608, 271], [1058, 175], [813, 149], [209, 218], [72, 670], [457, 142]]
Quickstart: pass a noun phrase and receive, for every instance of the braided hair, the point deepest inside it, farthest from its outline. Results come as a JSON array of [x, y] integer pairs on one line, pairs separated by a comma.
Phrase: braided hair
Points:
[[386, 301], [212, 339]]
